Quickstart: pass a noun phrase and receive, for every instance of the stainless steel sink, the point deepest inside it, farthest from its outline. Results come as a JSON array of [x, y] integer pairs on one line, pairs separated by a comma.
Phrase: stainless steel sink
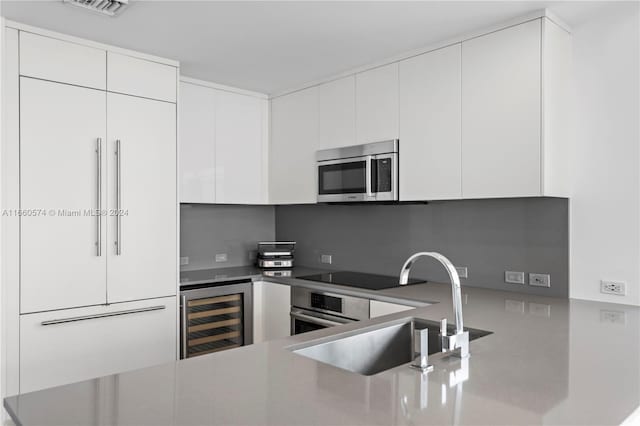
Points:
[[372, 350]]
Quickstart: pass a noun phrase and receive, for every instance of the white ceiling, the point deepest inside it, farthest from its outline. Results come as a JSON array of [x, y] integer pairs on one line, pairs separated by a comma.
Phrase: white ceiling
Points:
[[272, 46]]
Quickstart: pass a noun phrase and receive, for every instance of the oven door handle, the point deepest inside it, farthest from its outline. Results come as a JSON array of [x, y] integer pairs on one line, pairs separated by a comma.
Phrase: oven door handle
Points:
[[316, 320]]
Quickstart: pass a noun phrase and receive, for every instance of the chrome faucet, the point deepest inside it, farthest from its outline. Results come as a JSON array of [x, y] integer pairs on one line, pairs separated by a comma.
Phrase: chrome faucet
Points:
[[459, 340]]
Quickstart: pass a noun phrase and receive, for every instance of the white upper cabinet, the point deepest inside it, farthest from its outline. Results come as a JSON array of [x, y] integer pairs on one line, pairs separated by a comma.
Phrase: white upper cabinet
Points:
[[557, 104], [516, 112], [484, 118], [197, 143], [241, 149], [337, 113], [223, 146], [294, 141], [430, 144], [63, 61], [139, 77], [377, 104], [501, 113]]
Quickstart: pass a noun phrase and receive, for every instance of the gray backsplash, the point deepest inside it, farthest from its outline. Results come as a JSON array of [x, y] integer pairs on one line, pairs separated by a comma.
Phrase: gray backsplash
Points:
[[207, 230], [487, 236]]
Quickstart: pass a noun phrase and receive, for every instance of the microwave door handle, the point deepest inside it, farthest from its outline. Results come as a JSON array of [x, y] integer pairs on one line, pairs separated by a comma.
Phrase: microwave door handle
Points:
[[368, 175]]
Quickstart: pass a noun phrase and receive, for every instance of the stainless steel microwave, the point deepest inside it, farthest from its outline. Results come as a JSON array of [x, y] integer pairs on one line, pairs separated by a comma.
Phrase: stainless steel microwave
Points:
[[358, 173]]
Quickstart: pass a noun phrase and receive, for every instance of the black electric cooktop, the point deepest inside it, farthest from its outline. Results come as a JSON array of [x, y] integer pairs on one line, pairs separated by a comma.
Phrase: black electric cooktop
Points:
[[358, 279]]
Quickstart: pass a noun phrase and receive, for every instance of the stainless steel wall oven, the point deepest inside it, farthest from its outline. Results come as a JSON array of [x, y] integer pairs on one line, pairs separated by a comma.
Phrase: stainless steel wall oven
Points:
[[316, 309]]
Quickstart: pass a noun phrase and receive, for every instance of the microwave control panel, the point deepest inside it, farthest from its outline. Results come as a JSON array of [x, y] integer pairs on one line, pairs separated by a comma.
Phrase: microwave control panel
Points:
[[327, 303], [381, 175]]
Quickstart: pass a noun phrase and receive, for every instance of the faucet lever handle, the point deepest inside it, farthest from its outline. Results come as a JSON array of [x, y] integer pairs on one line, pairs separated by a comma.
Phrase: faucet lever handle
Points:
[[443, 326]]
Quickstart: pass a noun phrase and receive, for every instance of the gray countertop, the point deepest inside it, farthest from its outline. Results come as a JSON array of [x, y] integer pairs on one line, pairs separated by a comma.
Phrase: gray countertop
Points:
[[548, 361], [222, 275]]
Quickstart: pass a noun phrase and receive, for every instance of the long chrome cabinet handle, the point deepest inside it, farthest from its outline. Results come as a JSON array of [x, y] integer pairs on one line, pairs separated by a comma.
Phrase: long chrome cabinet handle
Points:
[[183, 326], [105, 315], [368, 176], [99, 195], [118, 198]]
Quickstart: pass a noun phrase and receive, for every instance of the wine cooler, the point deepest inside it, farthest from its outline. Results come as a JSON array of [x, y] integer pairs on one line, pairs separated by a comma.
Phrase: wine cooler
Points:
[[215, 317]]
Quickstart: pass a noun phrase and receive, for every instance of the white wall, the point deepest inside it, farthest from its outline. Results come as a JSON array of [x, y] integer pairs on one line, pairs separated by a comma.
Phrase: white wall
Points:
[[605, 197], [2, 335]]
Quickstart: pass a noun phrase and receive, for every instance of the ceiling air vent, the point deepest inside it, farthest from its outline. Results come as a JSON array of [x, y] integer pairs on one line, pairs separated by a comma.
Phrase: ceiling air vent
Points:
[[106, 7]]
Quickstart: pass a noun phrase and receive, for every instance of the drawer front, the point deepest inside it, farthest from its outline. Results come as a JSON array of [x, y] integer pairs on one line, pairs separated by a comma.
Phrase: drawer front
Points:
[[138, 77], [72, 345], [56, 60]]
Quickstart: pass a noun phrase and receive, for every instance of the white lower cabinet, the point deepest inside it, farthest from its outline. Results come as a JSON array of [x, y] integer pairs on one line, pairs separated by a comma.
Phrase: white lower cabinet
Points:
[[378, 309], [271, 307], [71, 345]]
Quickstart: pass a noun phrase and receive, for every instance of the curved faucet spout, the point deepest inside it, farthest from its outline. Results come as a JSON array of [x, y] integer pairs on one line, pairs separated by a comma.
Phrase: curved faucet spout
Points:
[[453, 277]]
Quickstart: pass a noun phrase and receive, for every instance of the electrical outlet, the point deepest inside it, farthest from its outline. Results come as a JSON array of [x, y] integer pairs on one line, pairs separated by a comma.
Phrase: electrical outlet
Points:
[[613, 287], [462, 271], [540, 280], [184, 260], [325, 258], [221, 257], [514, 277], [613, 317]]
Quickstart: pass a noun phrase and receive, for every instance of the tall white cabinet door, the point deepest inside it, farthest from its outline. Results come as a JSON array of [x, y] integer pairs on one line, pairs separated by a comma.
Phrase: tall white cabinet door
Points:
[[143, 243], [430, 126], [337, 113], [377, 104], [60, 264], [501, 127], [197, 144], [294, 140], [240, 149]]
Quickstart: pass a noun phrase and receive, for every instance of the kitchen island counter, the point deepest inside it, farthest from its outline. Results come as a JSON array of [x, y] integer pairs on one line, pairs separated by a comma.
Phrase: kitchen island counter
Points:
[[548, 361]]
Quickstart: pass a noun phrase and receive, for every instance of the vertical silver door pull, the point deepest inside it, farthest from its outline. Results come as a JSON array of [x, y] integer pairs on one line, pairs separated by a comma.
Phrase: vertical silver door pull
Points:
[[99, 195], [118, 198], [183, 327]]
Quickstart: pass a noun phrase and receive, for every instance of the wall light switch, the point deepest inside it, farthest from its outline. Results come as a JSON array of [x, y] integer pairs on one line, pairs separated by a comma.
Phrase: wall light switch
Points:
[[221, 257], [462, 271], [184, 260], [514, 277], [540, 280], [326, 258]]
